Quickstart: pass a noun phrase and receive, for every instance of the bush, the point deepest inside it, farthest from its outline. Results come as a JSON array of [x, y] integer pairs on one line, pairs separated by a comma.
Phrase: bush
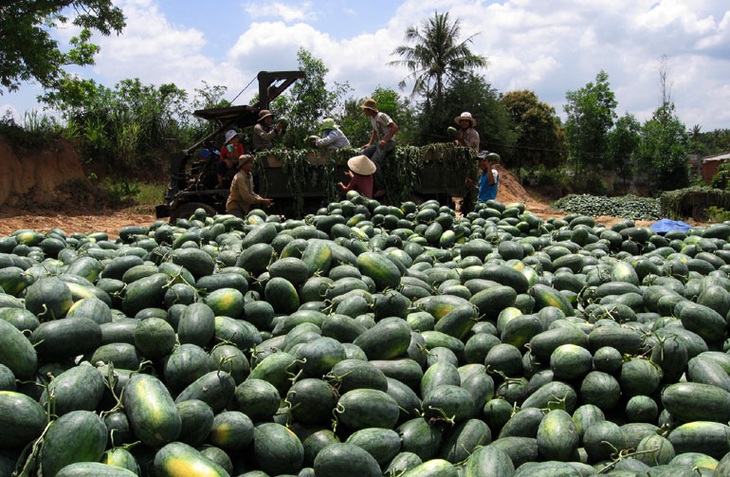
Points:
[[693, 202]]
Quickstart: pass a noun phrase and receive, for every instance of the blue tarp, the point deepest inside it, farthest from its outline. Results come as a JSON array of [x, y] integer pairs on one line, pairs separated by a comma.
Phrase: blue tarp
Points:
[[667, 225]]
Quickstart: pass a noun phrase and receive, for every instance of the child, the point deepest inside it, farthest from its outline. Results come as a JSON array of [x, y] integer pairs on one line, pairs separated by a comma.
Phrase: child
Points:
[[230, 152], [489, 178]]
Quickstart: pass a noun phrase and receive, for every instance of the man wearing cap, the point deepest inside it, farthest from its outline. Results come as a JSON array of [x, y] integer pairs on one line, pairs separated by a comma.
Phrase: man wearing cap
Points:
[[467, 136], [333, 138], [489, 179], [361, 176], [382, 141], [230, 152], [242, 195], [264, 133]]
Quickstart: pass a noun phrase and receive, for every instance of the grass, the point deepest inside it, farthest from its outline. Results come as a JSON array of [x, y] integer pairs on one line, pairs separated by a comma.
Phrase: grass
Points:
[[717, 214], [142, 196], [148, 196]]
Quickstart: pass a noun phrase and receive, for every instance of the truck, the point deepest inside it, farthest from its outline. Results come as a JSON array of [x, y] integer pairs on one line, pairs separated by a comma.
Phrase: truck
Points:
[[300, 181]]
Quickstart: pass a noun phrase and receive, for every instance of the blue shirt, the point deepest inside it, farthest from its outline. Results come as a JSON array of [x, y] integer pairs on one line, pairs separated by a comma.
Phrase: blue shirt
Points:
[[487, 191]]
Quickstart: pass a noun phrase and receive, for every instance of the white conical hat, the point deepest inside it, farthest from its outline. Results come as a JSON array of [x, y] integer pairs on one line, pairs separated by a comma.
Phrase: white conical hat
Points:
[[361, 165]]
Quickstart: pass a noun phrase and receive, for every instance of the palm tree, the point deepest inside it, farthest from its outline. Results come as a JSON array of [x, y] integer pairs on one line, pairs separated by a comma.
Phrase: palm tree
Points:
[[436, 55]]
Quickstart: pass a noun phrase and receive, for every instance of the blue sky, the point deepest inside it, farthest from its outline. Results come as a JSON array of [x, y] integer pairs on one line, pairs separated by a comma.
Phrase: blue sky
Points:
[[549, 47]]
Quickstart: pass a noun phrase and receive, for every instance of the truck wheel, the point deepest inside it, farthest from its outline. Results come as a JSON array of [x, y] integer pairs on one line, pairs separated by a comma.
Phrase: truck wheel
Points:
[[185, 211]]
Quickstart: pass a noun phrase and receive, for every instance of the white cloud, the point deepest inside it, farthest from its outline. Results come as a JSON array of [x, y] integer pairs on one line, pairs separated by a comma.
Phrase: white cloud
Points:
[[288, 13], [154, 50]]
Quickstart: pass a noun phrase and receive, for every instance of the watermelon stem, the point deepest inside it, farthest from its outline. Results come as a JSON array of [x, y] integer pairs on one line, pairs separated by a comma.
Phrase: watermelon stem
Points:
[[110, 380], [622, 455], [31, 460], [444, 417]]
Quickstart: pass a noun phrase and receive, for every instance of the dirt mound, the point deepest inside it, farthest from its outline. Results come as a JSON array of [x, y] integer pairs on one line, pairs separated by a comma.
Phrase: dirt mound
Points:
[[511, 190], [32, 176]]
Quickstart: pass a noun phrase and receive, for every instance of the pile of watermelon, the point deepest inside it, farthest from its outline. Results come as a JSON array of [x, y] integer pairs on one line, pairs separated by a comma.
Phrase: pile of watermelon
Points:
[[366, 340]]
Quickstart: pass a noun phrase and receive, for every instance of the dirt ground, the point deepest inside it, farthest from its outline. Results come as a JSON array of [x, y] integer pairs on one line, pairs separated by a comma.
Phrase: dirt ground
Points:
[[67, 214]]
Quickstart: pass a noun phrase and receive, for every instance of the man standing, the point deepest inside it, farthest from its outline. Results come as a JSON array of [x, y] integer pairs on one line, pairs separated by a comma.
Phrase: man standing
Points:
[[242, 195], [489, 179], [382, 141], [264, 133], [467, 136]]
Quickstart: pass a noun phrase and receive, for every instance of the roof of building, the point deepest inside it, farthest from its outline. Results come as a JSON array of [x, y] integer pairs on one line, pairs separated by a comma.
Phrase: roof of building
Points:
[[717, 157]]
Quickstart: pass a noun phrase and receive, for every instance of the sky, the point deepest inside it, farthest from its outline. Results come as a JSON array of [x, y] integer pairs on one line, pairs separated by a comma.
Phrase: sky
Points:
[[549, 47]]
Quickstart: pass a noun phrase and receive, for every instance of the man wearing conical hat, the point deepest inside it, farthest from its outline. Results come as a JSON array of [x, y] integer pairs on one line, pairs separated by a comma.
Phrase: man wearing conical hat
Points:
[[361, 176]]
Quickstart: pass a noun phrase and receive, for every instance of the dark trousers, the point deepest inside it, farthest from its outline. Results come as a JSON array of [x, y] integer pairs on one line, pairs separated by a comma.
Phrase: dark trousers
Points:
[[377, 154]]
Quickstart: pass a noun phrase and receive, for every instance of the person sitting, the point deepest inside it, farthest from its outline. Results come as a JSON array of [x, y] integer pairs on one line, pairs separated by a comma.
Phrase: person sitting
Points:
[[230, 152], [332, 137], [360, 172], [204, 169], [264, 132], [242, 195], [467, 136]]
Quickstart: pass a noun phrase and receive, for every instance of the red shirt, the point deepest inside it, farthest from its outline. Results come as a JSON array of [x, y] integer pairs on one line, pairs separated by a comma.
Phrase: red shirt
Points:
[[362, 184], [232, 156]]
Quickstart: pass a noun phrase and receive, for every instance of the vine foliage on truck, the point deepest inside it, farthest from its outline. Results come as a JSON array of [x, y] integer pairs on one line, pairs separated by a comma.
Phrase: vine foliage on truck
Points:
[[308, 169]]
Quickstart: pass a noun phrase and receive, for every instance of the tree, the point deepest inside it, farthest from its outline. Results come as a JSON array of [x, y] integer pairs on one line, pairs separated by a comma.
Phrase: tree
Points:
[[309, 100], [591, 113], [662, 149], [436, 56], [623, 141], [468, 92], [27, 50], [540, 139], [125, 128]]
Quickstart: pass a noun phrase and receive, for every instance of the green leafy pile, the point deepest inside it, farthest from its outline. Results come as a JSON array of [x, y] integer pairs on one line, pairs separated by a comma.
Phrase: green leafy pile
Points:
[[625, 207]]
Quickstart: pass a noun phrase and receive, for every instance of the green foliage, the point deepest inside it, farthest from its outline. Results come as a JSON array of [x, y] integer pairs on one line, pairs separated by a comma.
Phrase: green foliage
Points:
[[662, 149], [553, 177], [125, 128], [721, 180], [540, 140], [469, 92], [306, 169], [402, 174], [623, 140], [28, 50], [692, 202], [309, 100], [591, 114], [436, 55], [717, 214], [148, 194], [37, 132], [125, 191], [707, 143]]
